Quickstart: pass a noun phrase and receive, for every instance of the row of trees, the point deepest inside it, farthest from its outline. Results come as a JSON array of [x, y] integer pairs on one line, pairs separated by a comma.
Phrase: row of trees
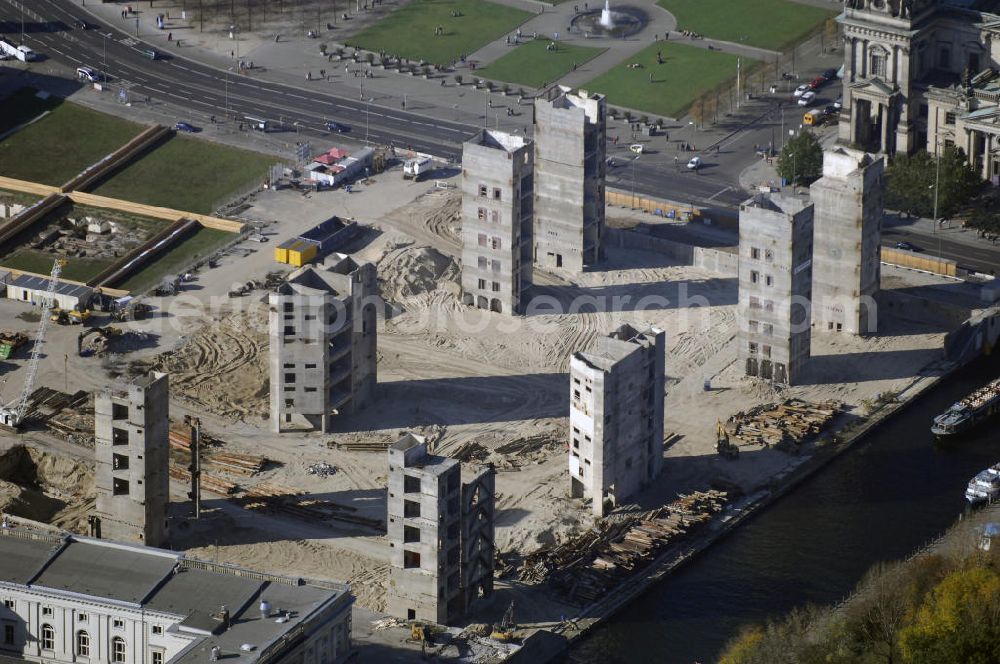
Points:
[[934, 609]]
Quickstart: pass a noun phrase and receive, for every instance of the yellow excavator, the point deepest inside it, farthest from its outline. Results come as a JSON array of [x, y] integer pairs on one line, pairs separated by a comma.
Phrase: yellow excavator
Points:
[[504, 630], [71, 317], [723, 445]]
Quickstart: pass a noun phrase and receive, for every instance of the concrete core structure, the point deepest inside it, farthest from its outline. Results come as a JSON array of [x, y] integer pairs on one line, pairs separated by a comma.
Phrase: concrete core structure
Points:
[[441, 534], [569, 179], [497, 197], [131, 449], [616, 416], [847, 236], [775, 282], [323, 343]]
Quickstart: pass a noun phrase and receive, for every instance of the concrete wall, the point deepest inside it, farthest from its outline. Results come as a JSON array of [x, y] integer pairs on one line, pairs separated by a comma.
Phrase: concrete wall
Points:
[[570, 170], [131, 479], [497, 202], [724, 263], [775, 281], [478, 534], [847, 241]]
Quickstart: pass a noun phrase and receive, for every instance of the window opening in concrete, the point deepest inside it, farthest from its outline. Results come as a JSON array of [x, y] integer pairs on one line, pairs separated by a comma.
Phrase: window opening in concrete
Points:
[[411, 509], [411, 484], [411, 535], [119, 487], [411, 559]]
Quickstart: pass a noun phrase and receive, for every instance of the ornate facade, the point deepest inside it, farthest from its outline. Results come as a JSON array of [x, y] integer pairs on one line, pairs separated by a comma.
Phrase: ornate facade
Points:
[[923, 74]]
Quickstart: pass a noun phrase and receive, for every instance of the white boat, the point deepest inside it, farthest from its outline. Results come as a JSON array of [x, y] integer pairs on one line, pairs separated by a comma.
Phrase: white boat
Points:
[[985, 486]]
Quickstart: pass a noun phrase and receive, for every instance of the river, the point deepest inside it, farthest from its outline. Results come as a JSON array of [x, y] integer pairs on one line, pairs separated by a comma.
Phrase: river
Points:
[[879, 501]]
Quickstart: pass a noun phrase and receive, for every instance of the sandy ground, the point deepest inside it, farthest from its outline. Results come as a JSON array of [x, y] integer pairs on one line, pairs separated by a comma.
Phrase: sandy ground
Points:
[[462, 376]]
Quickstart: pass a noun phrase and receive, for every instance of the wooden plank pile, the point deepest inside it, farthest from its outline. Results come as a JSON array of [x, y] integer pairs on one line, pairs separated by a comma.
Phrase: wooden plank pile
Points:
[[791, 422], [212, 483], [307, 509], [235, 463], [587, 566], [360, 445]]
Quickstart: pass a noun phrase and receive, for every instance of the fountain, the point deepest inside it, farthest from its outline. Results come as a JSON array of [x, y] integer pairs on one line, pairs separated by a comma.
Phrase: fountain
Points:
[[619, 22], [606, 21]]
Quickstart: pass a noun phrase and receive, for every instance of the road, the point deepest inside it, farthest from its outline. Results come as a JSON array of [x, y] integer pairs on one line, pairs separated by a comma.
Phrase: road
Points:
[[984, 258]]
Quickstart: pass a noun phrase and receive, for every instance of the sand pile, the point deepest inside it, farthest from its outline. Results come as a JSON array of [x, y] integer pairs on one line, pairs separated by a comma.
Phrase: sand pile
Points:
[[222, 367], [44, 487], [406, 271]]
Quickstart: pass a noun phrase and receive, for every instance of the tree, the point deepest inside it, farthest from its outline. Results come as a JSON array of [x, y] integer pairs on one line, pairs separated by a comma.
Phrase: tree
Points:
[[959, 621], [911, 182], [698, 112], [801, 160]]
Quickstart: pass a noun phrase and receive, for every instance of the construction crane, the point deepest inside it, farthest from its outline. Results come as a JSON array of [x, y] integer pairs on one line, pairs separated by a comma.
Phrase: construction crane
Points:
[[13, 413]]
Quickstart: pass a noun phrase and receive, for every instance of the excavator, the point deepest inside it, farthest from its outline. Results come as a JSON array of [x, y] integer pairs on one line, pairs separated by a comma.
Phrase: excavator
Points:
[[503, 631], [723, 445], [71, 317]]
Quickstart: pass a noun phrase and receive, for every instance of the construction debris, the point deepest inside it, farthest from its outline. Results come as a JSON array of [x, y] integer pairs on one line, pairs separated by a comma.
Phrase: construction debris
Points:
[[786, 425], [587, 566], [323, 469]]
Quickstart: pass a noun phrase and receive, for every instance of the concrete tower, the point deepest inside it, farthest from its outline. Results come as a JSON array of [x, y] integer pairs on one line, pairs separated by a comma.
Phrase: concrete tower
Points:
[[616, 416], [569, 179], [847, 235], [497, 193], [131, 428], [323, 343], [775, 281]]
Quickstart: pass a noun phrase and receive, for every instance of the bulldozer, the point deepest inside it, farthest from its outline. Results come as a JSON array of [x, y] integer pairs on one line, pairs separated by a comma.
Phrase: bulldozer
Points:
[[725, 447], [503, 631]]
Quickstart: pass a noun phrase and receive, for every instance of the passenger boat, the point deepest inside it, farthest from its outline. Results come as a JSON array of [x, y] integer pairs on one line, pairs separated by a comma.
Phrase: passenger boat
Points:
[[985, 486]]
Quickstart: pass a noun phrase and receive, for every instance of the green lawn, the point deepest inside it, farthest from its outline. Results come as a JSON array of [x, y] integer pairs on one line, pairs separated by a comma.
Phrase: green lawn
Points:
[[188, 174], [62, 144], [771, 24], [531, 65], [24, 105], [40, 262], [409, 30], [199, 245], [687, 72]]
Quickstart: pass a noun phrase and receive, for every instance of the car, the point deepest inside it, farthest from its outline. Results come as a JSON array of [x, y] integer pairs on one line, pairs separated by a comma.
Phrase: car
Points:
[[337, 127], [184, 126], [838, 102], [82, 24], [802, 89], [817, 83], [807, 98], [257, 237], [88, 74], [908, 246], [829, 74], [694, 164], [830, 109]]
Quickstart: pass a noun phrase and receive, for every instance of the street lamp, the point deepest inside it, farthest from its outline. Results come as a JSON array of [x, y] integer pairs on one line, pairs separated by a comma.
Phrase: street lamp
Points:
[[633, 180], [367, 110]]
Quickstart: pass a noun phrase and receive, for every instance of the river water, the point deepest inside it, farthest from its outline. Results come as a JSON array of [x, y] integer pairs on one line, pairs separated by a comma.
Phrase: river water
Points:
[[879, 501]]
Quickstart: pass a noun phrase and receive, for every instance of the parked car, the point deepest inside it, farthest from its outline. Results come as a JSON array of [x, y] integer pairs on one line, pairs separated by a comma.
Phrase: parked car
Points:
[[817, 83], [830, 109], [907, 246], [838, 102], [829, 74], [807, 98], [88, 74], [257, 237], [801, 89], [184, 126], [694, 164]]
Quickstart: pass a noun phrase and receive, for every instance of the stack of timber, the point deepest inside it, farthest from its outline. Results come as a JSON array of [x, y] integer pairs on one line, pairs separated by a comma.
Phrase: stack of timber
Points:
[[791, 422], [307, 509], [209, 482], [589, 565], [234, 463], [69, 416], [360, 445]]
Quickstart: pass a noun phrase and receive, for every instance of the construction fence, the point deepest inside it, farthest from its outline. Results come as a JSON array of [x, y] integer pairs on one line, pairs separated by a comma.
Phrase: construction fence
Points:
[[910, 259]]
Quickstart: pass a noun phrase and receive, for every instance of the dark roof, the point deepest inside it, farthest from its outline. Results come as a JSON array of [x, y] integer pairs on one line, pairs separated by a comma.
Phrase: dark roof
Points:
[[198, 588], [42, 284], [118, 573], [23, 558]]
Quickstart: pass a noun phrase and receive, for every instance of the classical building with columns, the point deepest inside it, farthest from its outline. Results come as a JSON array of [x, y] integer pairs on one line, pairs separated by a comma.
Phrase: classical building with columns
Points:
[[923, 74]]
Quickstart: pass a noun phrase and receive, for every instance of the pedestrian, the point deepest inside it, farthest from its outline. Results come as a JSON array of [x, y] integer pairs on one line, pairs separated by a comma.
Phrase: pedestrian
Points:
[[666, 36], [170, 36], [650, 77], [232, 55]]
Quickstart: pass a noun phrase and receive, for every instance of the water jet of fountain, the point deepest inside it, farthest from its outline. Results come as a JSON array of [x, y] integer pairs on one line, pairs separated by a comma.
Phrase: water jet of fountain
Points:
[[606, 20]]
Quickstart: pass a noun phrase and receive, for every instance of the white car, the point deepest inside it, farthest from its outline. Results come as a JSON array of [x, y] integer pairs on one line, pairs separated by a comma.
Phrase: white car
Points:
[[88, 74], [695, 163], [802, 89], [807, 98], [838, 103]]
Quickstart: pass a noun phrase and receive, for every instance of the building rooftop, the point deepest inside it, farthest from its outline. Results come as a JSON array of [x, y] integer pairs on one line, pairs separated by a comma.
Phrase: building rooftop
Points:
[[415, 455], [316, 280], [166, 582], [42, 284], [615, 347], [500, 140]]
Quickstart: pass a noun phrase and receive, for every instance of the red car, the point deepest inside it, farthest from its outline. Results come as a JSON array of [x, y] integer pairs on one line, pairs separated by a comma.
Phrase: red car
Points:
[[817, 83]]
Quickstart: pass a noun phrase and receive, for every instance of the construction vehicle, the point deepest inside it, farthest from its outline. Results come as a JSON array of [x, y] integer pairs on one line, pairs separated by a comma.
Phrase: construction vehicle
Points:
[[414, 169], [10, 342], [100, 342], [12, 415], [71, 317], [131, 311], [504, 630], [725, 447]]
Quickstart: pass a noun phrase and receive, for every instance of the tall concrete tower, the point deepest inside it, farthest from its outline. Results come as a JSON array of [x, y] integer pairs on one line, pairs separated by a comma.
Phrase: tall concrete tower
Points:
[[131, 429], [847, 236], [569, 179]]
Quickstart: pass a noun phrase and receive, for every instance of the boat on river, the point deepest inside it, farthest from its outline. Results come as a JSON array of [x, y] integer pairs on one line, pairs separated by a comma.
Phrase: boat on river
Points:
[[985, 486], [970, 411]]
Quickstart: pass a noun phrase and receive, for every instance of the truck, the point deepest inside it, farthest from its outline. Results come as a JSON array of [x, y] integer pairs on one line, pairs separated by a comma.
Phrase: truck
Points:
[[22, 53], [415, 168]]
